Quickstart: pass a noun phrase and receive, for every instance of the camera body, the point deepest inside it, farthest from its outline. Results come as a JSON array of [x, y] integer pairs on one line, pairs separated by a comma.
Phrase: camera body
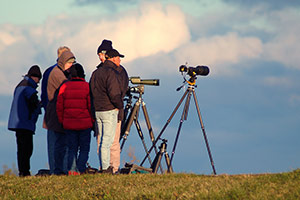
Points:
[[139, 89]]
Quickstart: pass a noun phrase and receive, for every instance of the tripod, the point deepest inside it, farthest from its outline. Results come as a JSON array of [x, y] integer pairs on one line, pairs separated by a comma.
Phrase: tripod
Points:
[[157, 160], [190, 91], [133, 117]]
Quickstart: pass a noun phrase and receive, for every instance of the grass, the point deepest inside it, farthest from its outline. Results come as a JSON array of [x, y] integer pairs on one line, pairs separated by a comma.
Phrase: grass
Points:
[[153, 186]]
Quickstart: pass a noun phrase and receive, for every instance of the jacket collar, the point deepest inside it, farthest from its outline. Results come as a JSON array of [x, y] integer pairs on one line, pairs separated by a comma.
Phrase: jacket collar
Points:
[[77, 79], [112, 65], [31, 82]]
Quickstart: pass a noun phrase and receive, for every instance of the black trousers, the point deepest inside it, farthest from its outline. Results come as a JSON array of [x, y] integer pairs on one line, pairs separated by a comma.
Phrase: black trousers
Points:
[[24, 151]]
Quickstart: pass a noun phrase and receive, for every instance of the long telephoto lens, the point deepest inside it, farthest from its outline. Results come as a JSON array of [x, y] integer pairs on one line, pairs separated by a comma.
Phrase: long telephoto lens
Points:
[[201, 70]]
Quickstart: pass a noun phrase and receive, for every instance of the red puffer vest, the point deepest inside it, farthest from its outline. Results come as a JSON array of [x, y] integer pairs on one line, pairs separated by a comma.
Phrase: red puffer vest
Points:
[[73, 105]]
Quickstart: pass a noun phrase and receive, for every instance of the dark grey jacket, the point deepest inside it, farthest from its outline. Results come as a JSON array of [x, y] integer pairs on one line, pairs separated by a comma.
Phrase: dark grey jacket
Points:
[[105, 87]]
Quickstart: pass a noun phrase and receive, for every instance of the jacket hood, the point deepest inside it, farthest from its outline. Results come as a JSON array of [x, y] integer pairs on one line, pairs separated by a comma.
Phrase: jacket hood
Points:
[[65, 56]]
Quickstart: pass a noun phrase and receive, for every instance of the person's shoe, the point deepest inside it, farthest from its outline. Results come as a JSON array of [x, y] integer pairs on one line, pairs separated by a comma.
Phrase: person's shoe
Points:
[[109, 170], [24, 174], [73, 173]]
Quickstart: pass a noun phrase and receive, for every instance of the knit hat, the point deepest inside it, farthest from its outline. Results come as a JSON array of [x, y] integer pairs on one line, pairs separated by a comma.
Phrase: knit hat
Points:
[[77, 71], [104, 46], [34, 71]]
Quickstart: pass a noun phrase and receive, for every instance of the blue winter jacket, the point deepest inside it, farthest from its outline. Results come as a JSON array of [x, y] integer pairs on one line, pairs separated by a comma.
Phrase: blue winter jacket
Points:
[[44, 95], [25, 106]]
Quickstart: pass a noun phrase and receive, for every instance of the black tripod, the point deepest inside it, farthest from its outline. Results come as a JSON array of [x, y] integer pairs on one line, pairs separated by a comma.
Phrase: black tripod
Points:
[[190, 90], [157, 160], [133, 117]]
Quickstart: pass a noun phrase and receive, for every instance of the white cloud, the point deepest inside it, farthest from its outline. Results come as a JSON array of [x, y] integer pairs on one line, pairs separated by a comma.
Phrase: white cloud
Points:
[[151, 34], [220, 52], [147, 31], [284, 47]]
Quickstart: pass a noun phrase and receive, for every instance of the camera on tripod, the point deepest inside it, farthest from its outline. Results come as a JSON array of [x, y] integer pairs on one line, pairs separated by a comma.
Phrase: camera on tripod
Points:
[[135, 89], [194, 71]]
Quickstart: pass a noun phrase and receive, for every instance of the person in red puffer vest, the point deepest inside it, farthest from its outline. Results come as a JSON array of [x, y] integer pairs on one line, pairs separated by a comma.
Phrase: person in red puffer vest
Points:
[[73, 109]]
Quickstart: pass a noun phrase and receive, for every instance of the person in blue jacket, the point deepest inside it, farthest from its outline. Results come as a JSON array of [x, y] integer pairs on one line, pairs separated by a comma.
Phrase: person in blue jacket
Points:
[[23, 116]]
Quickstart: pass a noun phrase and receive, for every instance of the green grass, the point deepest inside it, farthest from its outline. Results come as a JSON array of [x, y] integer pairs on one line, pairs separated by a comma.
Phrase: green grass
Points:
[[152, 186]]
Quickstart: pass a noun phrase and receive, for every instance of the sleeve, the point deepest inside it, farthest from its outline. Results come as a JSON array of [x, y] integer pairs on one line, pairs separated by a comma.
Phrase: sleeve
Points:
[[91, 85], [60, 103], [33, 102]]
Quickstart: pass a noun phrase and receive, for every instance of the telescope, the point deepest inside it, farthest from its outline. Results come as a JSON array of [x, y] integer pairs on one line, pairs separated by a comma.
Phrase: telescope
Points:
[[138, 80]]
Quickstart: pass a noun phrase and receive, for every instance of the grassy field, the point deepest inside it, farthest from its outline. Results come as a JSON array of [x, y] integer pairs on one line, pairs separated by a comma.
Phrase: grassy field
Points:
[[153, 186]]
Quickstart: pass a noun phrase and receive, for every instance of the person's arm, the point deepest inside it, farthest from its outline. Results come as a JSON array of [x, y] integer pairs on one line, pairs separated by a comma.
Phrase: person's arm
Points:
[[60, 103]]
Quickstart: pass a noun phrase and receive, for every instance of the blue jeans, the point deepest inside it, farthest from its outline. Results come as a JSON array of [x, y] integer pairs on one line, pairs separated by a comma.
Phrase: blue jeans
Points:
[[51, 138], [78, 141], [60, 151], [106, 122], [51, 144]]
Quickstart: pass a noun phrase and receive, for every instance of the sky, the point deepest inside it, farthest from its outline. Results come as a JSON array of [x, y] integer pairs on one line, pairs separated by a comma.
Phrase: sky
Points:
[[249, 102]]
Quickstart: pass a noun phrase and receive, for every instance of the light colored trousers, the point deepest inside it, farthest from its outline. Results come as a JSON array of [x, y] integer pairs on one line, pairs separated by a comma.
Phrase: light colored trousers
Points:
[[106, 122], [115, 149]]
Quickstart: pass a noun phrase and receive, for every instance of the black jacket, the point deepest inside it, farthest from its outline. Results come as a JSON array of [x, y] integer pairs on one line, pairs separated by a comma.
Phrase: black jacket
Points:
[[106, 88]]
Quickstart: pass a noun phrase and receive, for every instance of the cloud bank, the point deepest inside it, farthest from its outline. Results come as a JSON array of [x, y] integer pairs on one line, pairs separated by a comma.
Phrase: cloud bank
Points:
[[154, 33]]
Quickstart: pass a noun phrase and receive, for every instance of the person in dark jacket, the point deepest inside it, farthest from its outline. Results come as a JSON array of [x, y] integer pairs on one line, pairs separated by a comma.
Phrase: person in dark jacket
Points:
[[107, 100], [23, 116], [105, 46], [101, 51], [73, 109]]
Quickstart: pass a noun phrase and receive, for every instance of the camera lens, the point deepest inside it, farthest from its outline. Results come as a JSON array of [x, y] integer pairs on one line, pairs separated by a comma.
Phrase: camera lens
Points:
[[201, 70]]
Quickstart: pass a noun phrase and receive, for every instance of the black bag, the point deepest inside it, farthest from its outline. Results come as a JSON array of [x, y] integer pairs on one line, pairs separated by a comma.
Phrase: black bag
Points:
[[135, 169], [43, 172]]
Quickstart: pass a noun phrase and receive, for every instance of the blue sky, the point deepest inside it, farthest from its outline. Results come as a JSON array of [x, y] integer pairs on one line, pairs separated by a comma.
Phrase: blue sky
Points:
[[250, 101]]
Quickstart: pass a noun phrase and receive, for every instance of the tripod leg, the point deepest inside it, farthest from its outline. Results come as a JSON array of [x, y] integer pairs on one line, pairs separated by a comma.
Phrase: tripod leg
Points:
[[130, 121], [147, 119], [124, 123], [170, 168], [156, 162], [139, 130], [183, 117], [204, 134], [165, 126]]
